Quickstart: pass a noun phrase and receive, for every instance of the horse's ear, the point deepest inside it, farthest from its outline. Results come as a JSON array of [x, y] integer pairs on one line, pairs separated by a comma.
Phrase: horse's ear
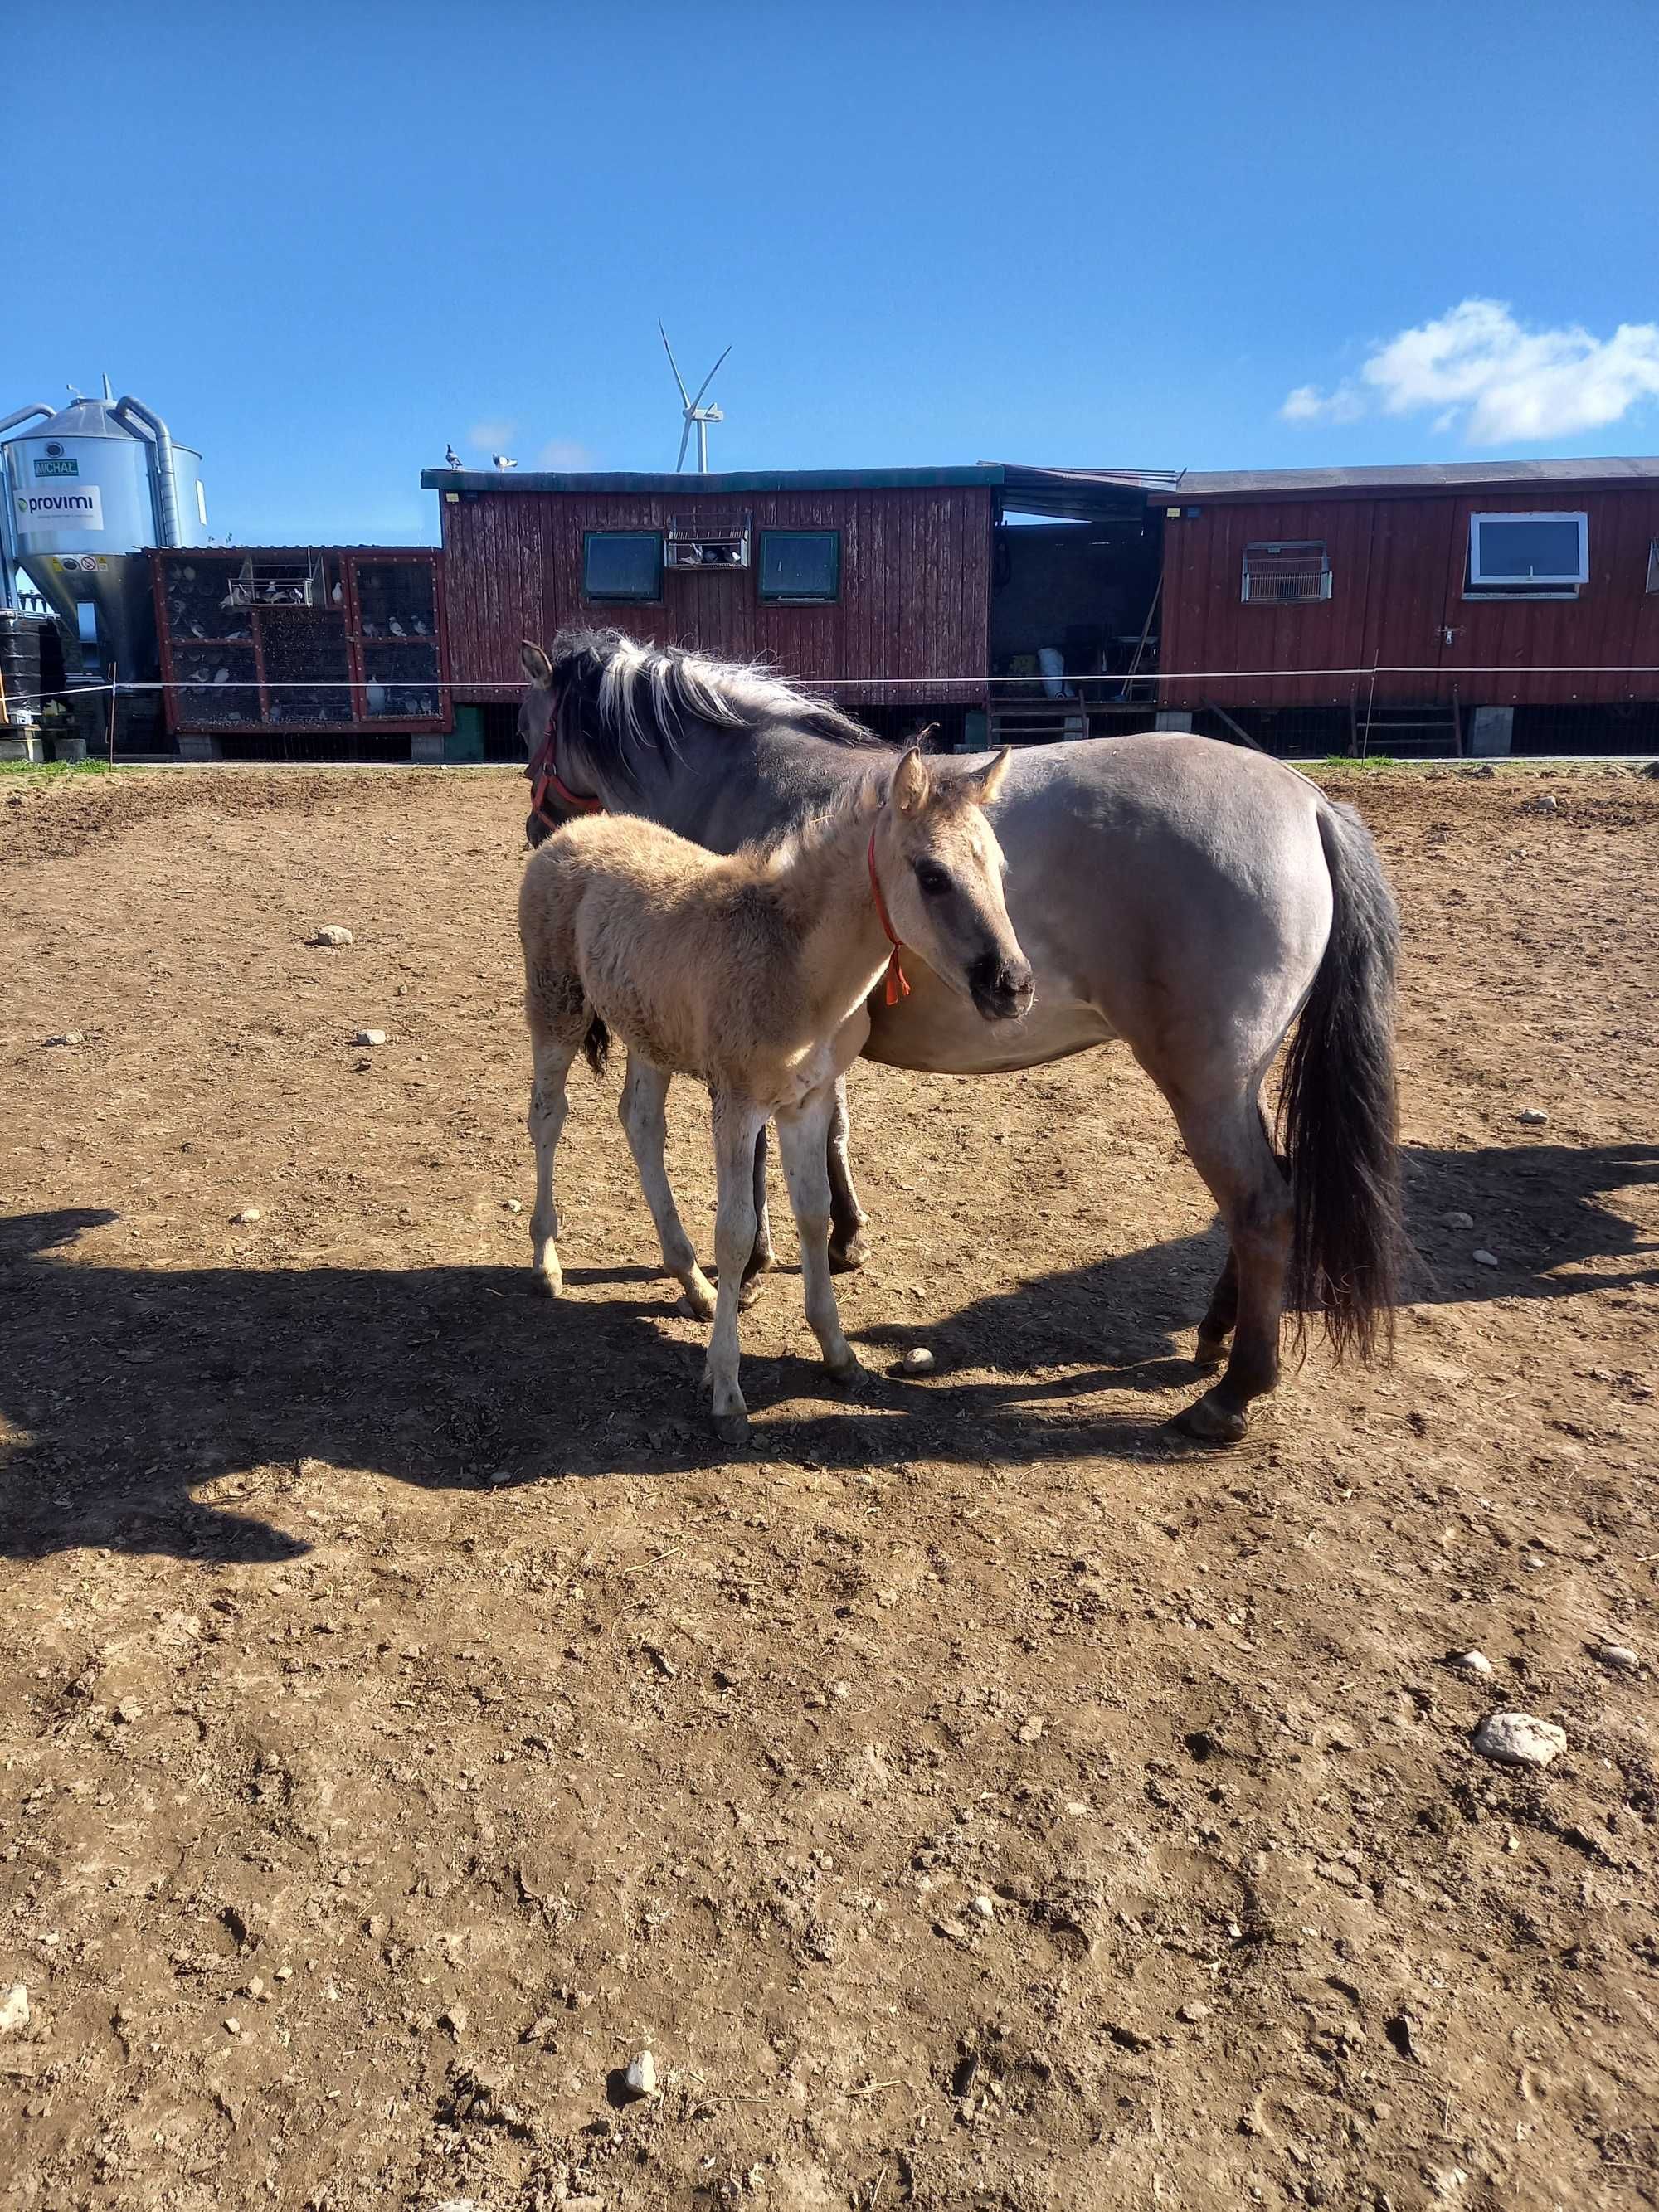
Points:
[[536, 666], [990, 778], [910, 783]]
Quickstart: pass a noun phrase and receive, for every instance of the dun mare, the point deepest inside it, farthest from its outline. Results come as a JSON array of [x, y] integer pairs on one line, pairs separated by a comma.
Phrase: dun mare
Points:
[[752, 973], [1188, 896]]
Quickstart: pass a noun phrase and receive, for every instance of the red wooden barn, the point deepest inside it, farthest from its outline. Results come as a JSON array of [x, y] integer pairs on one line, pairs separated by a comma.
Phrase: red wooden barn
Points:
[[1429, 608]]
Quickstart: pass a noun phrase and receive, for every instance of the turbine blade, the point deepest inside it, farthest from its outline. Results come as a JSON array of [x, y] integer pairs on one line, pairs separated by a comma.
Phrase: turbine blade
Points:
[[672, 363], [709, 379], [685, 440]]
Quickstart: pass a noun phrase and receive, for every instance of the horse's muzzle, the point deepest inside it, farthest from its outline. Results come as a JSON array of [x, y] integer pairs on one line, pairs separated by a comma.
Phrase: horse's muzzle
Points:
[[1002, 989]]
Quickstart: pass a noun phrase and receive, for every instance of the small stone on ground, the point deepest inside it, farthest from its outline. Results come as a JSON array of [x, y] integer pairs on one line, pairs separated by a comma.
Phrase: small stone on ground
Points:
[[13, 2010], [1482, 1258], [1472, 1662], [333, 932], [1519, 1739], [918, 1360], [1535, 1115], [1457, 1220], [641, 2079], [1620, 1655], [370, 1037], [248, 1215]]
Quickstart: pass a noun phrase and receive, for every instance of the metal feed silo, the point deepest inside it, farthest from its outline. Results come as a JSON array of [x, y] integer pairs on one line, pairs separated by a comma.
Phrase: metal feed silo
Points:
[[89, 490]]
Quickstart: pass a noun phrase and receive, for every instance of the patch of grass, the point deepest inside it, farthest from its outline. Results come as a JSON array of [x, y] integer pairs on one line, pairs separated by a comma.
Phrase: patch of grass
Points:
[[1371, 760], [48, 770]]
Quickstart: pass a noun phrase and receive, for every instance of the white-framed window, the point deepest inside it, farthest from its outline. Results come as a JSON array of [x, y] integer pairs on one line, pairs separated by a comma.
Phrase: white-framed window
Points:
[[1528, 552], [1285, 572]]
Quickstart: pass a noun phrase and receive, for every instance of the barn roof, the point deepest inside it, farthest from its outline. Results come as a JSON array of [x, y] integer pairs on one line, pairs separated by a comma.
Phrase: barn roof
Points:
[[1430, 475]]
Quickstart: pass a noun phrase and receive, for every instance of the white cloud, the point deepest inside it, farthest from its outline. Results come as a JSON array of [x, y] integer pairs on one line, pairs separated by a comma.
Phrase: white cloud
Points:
[[564, 453], [1500, 383], [490, 437]]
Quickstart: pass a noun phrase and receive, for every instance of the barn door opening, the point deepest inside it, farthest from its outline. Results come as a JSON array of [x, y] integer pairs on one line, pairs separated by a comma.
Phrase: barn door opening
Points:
[[1073, 624]]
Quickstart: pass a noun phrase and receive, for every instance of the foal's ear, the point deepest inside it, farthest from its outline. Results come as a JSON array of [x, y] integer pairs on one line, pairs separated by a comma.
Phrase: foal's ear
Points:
[[911, 784], [989, 779], [536, 666]]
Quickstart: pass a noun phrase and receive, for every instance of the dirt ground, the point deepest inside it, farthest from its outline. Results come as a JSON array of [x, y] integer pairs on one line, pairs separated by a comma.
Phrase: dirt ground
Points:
[[970, 1797]]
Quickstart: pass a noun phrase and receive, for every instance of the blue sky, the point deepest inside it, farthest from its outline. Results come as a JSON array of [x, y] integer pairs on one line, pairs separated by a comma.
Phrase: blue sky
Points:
[[323, 239]]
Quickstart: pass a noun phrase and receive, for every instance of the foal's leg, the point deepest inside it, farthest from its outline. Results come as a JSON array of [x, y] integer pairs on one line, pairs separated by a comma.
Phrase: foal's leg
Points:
[[737, 1123], [847, 1247], [1229, 1146], [548, 1108], [802, 1135], [642, 1112]]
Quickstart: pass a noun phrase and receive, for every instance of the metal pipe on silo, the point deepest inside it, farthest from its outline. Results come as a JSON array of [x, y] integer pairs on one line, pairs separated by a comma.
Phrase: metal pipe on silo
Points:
[[129, 410]]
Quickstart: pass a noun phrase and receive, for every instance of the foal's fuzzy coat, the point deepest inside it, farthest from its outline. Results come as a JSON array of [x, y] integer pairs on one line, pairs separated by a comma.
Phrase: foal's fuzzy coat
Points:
[[751, 972]]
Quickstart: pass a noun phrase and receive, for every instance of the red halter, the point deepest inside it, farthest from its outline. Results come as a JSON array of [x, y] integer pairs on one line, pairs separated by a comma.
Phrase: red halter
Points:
[[544, 773], [898, 983]]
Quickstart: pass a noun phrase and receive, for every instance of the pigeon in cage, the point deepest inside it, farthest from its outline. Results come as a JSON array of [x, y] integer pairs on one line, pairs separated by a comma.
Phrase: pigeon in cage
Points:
[[338, 593], [371, 630], [420, 627], [195, 629], [452, 457], [504, 461], [396, 627], [222, 676]]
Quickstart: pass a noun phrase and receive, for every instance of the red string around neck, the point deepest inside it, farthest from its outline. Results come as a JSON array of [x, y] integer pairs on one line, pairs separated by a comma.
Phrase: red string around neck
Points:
[[898, 983]]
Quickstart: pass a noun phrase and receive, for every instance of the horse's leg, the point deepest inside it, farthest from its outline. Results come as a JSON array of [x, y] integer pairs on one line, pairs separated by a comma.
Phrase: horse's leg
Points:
[[847, 1247], [642, 1112], [548, 1106], [1217, 1325], [762, 1257], [803, 1134], [737, 1125], [1229, 1145]]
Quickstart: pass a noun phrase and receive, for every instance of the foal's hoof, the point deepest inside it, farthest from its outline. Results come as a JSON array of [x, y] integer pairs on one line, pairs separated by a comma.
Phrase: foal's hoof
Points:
[[1210, 1352], [732, 1428], [847, 1259], [848, 1373], [1209, 1423], [695, 1305], [545, 1286]]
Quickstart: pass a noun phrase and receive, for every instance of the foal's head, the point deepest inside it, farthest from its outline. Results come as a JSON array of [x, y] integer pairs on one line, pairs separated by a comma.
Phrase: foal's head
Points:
[[940, 869]]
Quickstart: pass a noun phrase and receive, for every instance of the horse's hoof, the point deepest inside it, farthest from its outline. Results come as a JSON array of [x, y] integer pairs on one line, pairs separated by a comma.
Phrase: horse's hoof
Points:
[[545, 1286], [732, 1428], [762, 1260], [847, 1372], [748, 1293], [1210, 1352], [1208, 1423], [693, 1307], [847, 1259]]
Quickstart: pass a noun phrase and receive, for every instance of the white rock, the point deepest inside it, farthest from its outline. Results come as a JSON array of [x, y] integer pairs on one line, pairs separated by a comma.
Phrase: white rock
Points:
[[248, 1216], [1455, 1220], [1620, 1655], [370, 1037], [66, 1036], [1519, 1739], [513, 1205], [333, 932], [641, 2079], [1482, 1258], [458, 2204], [1193, 2011], [1535, 1115], [1029, 1731], [918, 1360], [13, 2010], [1472, 1662], [985, 1908]]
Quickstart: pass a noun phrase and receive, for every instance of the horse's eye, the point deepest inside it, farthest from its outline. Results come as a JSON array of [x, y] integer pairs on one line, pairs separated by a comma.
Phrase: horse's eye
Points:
[[933, 879]]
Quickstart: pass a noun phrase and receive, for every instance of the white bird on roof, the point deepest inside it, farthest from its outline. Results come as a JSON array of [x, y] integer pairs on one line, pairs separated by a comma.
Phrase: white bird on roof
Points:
[[452, 457], [504, 461]]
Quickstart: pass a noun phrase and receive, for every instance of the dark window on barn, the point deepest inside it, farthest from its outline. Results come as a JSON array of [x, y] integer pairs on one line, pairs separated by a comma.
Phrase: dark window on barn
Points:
[[800, 565], [1653, 566], [1528, 553], [622, 564], [1286, 573]]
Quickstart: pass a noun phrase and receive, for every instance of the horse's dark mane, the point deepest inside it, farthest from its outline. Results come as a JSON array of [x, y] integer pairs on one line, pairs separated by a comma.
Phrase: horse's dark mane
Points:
[[615, 693]]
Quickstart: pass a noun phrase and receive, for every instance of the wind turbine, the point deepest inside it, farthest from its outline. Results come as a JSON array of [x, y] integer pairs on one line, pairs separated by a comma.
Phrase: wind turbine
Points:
[[694, 410]]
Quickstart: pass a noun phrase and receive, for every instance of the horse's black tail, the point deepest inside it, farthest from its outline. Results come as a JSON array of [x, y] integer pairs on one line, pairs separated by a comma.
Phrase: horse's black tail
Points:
[[1338, 1109], [596, 1044]]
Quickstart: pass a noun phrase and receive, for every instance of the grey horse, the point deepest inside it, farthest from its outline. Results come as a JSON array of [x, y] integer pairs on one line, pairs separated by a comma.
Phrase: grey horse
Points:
[[1188, 896]]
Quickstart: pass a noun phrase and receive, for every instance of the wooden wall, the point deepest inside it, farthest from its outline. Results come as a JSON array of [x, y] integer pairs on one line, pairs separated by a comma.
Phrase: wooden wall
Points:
[[1397, 572], [914, 587]]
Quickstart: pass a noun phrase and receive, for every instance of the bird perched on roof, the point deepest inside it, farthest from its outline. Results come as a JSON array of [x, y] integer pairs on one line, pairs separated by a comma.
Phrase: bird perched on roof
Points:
[[504, 461], [452, 457]]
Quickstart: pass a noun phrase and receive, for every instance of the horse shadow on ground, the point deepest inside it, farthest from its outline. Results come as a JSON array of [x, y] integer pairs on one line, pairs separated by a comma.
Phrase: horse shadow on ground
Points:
[[130, 1388]]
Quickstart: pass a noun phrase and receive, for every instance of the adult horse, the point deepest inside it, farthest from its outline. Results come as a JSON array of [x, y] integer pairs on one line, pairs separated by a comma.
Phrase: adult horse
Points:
[[1188, 896]]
